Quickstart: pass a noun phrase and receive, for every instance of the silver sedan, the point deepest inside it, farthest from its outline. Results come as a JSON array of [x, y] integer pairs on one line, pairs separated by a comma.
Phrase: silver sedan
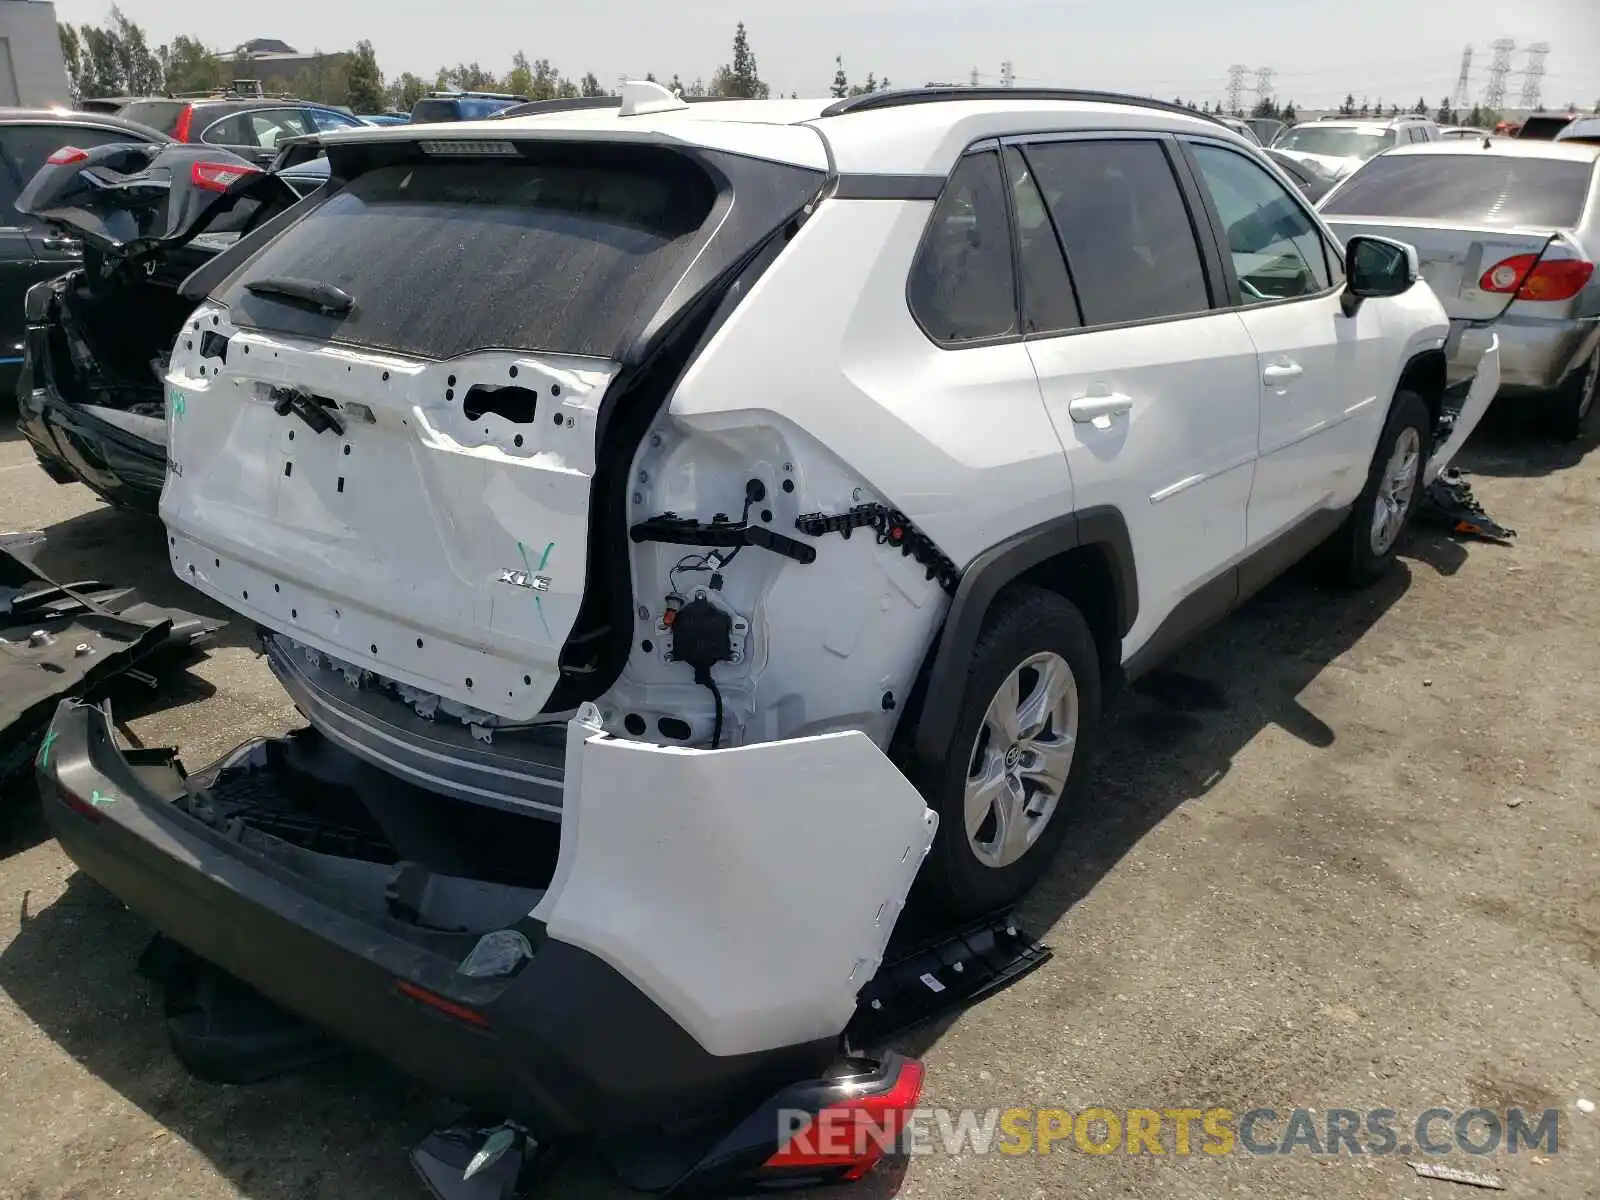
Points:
[[1507, 232]]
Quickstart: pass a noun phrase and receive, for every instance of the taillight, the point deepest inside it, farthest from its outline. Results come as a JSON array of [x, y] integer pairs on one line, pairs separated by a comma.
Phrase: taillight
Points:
[[856, 1132], [185, 119], [1557, 279], [65, 155], [438, 1003], [219, 177]]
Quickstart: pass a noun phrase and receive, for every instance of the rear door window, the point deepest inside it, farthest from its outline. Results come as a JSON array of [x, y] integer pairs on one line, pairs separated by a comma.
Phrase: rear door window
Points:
[[1047, 301], [325, 120], [263, 128], [445, 257], [1474, 189], [1130, 242], [963, 286]]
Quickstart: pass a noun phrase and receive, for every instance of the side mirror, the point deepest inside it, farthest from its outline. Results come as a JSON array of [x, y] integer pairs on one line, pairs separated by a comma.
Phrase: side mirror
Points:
[[1376, 267]]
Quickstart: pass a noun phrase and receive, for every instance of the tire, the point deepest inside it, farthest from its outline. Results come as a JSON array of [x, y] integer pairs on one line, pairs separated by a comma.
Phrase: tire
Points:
[[1572, 406], [1362, 550], [1031, 637]]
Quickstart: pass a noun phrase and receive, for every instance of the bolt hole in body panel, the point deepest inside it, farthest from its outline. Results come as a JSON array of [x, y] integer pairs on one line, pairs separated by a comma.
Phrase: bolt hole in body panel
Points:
[[517, 405]]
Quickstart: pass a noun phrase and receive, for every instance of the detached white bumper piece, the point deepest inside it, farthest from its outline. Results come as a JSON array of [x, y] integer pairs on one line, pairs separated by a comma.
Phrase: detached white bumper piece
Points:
[[749, 892]]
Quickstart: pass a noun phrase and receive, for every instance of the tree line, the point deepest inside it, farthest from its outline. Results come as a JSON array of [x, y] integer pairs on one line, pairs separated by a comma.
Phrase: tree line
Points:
[[118, 60]]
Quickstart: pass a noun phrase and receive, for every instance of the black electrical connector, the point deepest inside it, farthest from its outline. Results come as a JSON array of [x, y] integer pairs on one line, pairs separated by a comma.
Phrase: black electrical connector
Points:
[[702, 637], [892, 528]]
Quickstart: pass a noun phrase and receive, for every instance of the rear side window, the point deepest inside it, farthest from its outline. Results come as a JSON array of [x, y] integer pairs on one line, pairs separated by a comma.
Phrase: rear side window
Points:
[[1476, 188], [963, 287], [447, 257], [1122, 218], [157, 114]]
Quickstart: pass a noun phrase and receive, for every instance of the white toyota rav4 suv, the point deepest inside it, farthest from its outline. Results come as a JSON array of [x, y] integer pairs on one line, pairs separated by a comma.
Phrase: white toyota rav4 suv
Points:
[[762, 497]]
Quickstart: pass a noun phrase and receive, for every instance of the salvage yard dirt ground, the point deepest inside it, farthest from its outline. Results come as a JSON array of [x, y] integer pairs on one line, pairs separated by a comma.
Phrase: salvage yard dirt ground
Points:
[[1343, 853]]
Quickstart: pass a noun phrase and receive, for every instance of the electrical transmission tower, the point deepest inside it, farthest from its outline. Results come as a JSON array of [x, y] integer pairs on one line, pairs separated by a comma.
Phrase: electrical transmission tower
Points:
[[1008, 77], [1533, 74], [1264, 83], [974, 76], [1236, 74], [1463, 96], [1494, 96]]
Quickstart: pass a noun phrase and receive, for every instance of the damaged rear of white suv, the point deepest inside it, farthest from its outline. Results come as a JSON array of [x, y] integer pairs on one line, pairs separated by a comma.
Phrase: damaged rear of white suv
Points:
[[675, 521]]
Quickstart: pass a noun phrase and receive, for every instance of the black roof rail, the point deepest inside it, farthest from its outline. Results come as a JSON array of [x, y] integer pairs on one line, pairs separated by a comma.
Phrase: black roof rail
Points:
[[462, 95], [872, 101]]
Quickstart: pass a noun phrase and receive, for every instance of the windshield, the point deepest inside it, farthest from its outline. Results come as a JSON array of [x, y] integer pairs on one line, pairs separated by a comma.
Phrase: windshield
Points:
[[1476, 189], [1335, 141]]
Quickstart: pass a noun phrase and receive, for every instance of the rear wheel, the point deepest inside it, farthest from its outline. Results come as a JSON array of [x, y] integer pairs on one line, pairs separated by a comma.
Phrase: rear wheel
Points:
[[1573, 404], [1029, 714], [1366, 543]]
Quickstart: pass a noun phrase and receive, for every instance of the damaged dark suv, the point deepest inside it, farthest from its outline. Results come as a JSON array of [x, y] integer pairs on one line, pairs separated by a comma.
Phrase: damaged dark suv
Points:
[[90, 395]]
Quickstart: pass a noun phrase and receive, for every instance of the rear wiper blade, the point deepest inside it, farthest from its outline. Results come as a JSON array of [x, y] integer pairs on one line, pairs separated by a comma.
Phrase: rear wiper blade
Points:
[[324, 297]]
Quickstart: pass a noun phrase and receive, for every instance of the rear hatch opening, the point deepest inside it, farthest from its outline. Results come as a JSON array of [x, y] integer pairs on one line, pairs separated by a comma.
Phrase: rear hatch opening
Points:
[[418, 463]]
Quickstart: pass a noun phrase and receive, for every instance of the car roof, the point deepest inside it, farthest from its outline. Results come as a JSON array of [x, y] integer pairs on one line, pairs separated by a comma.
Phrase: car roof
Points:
[[1503, 148], [919, 132], [72, 116]]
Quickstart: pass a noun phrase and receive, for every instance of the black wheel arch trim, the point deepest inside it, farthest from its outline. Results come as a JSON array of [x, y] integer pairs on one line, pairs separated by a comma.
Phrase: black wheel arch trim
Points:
[[984, 578]]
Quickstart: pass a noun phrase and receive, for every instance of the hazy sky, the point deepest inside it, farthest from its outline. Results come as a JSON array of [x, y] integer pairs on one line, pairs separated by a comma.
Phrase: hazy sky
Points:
[[1319, 49]]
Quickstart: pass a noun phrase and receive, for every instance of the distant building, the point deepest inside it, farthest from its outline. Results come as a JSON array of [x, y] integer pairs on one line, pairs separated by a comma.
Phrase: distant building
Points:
[[32, 71], [277, 64]]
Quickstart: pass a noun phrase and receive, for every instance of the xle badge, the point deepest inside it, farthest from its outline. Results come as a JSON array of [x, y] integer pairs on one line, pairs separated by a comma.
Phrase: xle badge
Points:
[[523, 579]]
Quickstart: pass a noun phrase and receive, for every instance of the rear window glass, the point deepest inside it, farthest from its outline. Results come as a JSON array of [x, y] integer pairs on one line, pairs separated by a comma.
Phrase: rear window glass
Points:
[[444, 258], [465, 109], [1477, 188], [157, 114], [1335, 141]]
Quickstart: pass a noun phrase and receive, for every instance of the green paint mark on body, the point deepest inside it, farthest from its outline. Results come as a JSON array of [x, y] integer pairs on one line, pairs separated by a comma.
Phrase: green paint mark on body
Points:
[[101, 799], [180, 403], [44, 750]]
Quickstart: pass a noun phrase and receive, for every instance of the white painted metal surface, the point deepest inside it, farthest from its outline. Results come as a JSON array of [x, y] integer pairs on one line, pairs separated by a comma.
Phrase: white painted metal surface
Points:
[[748, 892]]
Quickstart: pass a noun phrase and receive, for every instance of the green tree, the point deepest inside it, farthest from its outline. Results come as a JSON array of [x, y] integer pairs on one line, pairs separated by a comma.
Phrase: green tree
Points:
[[72, 55], [1422, 107], [466, 77], [740, 79], [1287, 114], [1475, 117], [841, 81], [100, 68], [1265, 107], [519, 81], [189, 67], [676, 86], [1365, 110], [403, 93], [1348, 108], [138, 65], [363, 80], [1444, 116], [590, 85]]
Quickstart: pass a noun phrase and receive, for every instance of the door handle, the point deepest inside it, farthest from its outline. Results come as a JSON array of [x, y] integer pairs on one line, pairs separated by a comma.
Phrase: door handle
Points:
[[1282, 372], [64, 244], [1101, 410]]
